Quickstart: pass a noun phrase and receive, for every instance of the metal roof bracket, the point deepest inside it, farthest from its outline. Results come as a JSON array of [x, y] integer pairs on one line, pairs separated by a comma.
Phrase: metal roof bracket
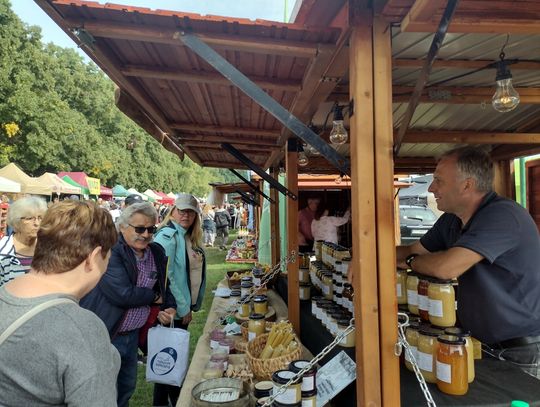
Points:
[[262, 173], [264, 100], [246, 198], [254, 187]]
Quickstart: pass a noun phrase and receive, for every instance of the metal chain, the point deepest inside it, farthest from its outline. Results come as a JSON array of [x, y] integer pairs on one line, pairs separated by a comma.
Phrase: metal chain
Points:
[[402, 343], [265, 280], [311, 364]]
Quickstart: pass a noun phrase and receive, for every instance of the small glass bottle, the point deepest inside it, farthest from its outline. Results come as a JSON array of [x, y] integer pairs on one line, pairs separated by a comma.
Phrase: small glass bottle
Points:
[[452, 365]]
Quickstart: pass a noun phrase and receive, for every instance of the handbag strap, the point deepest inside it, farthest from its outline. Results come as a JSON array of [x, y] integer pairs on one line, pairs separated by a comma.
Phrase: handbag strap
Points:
[[30, 314]]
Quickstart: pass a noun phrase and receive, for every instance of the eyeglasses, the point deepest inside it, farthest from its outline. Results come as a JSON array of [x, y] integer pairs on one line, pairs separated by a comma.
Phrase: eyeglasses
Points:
[[140, 229], [29, 219], [187, 212]]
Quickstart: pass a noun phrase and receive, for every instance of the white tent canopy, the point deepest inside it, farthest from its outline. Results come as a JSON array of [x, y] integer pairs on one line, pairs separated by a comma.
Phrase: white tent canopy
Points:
[[7, 185], [152, 194]]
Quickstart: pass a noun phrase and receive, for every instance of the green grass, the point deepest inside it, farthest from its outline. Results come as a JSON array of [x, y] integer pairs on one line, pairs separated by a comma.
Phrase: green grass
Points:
[[215, 272]]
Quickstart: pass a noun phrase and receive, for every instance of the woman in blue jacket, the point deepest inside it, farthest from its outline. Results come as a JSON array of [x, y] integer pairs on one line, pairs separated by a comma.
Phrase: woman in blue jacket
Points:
[[180, 235]]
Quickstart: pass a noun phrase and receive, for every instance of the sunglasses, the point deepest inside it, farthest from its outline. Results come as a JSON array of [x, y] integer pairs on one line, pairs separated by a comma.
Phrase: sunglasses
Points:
[[140, 229]]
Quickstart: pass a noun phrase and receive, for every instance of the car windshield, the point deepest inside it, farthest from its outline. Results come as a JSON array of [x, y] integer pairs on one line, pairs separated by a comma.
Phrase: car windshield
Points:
[[422, 214]]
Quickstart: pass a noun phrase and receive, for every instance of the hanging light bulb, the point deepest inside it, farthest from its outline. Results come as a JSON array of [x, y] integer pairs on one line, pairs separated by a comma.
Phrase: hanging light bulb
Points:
[[506, 97], [338, 134], [302, 159]]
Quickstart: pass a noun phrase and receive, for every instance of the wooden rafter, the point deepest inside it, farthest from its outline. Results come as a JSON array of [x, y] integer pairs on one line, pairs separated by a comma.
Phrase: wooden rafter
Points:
[[161, 35], [187, 138], [251, 149], [462, 64], [470, 137], [190, 127], [209, 78]]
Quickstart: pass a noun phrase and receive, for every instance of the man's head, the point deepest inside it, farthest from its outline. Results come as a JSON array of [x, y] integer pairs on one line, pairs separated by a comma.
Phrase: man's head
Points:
[[132, 199], [462, 175], [313, 203], [137, 223]]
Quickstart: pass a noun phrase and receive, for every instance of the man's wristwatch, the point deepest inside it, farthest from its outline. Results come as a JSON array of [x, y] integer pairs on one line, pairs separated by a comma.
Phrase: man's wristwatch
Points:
[[410, 259]]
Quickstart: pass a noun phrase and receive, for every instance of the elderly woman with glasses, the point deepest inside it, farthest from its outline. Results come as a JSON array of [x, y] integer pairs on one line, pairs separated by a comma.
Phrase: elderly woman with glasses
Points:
[[180, 234], [135, 279], [16, 250]]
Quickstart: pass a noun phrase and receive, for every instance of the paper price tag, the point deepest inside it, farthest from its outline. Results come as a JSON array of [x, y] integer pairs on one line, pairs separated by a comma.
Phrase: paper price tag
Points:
[[333, 377]]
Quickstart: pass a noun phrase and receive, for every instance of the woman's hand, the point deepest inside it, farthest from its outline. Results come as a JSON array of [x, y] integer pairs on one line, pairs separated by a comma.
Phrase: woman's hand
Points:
[[166, 316], [186, 319]]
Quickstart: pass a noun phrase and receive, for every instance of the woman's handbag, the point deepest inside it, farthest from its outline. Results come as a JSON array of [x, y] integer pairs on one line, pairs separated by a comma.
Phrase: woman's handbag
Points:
[[168, 355]]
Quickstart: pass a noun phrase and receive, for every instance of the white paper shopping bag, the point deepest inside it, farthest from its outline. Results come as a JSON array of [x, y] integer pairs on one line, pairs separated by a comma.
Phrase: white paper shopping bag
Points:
[[168, 354]]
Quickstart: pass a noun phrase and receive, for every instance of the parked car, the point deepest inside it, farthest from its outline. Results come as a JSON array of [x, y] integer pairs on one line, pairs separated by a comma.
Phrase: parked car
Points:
[[414, 222]]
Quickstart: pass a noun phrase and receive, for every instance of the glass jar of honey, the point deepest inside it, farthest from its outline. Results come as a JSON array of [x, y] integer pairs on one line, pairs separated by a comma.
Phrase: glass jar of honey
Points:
[[452, 365], [461, 333], [412, 292], [423, 300], [256, 326], [327, 286], [305, 291], [318, 249], [260, 304], [401, 286], [244, 308], [427, 352], [314, 307], [411, 335], [348, 341], [442, 303], [303, 275]]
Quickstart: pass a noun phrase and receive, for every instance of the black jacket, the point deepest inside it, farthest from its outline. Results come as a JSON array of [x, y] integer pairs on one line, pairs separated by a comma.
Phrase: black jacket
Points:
[[117, 290]]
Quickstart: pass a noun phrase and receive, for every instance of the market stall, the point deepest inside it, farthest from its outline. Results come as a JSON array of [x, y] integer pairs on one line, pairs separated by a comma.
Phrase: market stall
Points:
[[58, 185], [243, 249], [29, 185], [88, 185]]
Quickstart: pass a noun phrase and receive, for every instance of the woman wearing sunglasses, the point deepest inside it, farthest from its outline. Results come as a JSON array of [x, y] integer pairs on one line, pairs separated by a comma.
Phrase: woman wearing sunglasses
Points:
[[134, 280], [180, 234]]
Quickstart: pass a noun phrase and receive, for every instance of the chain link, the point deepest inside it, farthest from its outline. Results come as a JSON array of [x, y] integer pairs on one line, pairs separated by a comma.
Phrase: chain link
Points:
[[265, 280], [402, 343], [311, 364]]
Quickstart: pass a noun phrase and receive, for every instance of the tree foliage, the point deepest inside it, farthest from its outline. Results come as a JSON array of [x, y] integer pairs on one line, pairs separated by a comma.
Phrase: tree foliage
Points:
[[57, 113]]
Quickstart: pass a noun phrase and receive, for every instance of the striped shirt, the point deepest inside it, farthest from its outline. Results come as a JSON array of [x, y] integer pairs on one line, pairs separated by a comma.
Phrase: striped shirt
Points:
[[12, 265], [146, 278]]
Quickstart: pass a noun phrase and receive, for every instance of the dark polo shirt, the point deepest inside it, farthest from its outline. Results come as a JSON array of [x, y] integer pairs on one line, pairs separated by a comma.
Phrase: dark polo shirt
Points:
[[499, 297]]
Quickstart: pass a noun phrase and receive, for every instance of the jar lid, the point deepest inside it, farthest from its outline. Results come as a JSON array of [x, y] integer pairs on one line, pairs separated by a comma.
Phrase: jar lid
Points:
[[307, 394], [344, 322], [346, 259], [347, 285], [246, 284], [297, 365], [305, 285], [243, 298], [338, 295], [235, 293], [282, 376], [260, 298], [337, 262], [256, 316], [317, 298], [451, 339], [264, 385], [247, 278], [434, 280], [430, 331], [456, 331], [412, 274], [423, 277]]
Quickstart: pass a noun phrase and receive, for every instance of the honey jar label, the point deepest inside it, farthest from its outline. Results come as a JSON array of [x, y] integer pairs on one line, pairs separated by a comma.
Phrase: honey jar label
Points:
[[412, 297], [436, 308], [398, 289], [423, 302], [425, 361], [414, 351], [444, 372]]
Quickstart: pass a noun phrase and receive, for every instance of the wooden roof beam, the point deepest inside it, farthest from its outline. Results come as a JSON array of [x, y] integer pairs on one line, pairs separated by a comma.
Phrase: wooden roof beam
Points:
[[206, 77], [470, 137], [161, 35], [245, 131], [250, 149], [462, 64], [184, 139], [474, 25], [512, 151]]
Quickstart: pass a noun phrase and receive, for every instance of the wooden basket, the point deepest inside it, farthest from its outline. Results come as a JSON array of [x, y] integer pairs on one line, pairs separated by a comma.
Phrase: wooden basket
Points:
[[264, 368], [234, 281]]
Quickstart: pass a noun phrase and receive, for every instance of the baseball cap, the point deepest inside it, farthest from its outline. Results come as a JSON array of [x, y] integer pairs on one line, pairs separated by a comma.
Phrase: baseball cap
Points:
[[187, 201], [133, 198]]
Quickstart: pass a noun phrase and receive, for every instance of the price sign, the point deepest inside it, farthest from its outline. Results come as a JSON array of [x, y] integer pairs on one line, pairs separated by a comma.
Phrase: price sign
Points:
[[333, 377]]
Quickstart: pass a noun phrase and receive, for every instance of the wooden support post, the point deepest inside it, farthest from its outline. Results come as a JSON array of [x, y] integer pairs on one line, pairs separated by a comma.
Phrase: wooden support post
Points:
[[275, 241], [291, 164], [384, 189], [364, 263], [501, 181]]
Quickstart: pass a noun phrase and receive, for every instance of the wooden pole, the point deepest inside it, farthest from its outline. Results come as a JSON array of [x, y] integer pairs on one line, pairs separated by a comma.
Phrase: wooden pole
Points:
[[384, 189], [502, 182], [291, 164], [364, 263], [274, 220]]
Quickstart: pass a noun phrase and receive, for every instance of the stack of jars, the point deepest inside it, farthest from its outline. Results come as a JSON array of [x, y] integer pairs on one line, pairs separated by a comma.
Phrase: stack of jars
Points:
[[333, 317], [331, 252], [303, 275], [443, 353]]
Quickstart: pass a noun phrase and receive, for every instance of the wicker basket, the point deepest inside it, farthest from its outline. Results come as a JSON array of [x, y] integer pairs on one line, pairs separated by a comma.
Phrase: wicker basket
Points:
[[263, 368], [244, 328]]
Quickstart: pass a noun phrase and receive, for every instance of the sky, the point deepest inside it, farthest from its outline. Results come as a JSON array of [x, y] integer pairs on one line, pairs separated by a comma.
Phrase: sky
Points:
[[31, 13]]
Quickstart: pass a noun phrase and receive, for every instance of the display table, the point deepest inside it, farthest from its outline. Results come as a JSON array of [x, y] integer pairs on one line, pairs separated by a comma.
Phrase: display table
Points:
[[201, 355], [496, 382], [243, 250]]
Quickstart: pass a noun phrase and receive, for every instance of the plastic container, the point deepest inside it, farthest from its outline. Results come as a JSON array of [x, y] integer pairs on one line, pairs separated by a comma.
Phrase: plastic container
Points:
[[452, 365]]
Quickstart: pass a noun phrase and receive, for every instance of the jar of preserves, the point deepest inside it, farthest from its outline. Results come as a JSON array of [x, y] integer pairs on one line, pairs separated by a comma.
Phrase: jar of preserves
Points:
[[348, 341], [293, 393], [423, 300], [314, 305], [427, 352], [318, 249], [260, 304], [411, 334], [348, 294], [461, 333], [309, 398], [256, 326], [258, 275], [452, 365], [227, 344], [320, 305], [303, 260], [412, 292], [401, 286], [339, 299], [305, 291], [327, 286], [244, 308], [234, 298], [308, 378], [442, 303], [345, 263], [303, 275], [337, 266]]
